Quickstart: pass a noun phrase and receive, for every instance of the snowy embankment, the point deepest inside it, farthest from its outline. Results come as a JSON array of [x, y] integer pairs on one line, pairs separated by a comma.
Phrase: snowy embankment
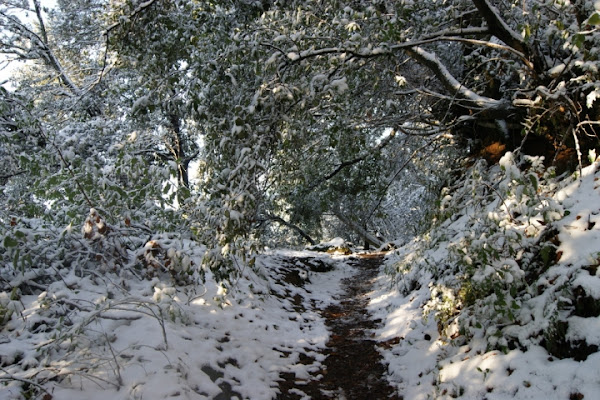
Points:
[[113, 335], [501, 298]]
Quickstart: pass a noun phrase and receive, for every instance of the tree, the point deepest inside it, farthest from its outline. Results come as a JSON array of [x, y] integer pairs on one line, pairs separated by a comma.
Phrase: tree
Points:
[[509, 82], [69, 151]]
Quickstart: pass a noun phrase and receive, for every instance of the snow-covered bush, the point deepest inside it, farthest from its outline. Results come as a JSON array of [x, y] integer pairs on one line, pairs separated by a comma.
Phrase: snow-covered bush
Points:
[[492, 258]]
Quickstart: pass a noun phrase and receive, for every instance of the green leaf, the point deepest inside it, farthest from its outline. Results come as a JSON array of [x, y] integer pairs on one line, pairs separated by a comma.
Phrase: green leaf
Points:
[[594, 19], [534, 181], [16, 258], [578, 40], [10, 242], [547, 253], [527, 32]]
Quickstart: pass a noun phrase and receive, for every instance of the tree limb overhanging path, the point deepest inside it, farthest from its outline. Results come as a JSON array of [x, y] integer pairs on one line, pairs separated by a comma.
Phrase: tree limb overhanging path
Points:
[[352, 368]]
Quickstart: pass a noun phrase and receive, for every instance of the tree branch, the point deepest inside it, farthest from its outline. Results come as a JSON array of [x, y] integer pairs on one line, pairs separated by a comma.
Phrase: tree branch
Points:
[[499, 28], [49, 55], [460, 32], [7, 176], [349, 163], [371, 239], [451, 84], [139, 9], [292, 226]]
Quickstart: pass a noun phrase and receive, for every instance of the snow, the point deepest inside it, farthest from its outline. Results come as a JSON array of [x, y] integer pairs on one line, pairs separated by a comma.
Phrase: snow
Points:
[[340, 85], [335, 242], [293, 56], [587, 329]]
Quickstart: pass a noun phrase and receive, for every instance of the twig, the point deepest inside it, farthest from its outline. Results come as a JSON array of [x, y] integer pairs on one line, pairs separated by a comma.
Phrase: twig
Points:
[[114, 356], [11, 377], [501, 199], [578, 149]]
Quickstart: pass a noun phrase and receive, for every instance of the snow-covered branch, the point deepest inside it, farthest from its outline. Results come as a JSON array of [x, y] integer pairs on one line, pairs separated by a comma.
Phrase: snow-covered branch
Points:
[[39, 45], [460, 32], [368, 237], [457, 36], [295, 228], [454, 86], [498, 27]]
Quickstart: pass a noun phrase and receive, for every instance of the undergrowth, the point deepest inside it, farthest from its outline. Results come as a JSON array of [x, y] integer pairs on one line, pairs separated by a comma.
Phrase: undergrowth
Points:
[[488, 254]]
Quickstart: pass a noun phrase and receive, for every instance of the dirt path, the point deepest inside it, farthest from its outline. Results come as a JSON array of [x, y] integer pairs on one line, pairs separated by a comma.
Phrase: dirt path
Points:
[[352, 369]]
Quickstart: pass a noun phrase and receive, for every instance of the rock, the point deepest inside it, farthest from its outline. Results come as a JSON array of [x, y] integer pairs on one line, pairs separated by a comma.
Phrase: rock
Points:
[[334, 246]]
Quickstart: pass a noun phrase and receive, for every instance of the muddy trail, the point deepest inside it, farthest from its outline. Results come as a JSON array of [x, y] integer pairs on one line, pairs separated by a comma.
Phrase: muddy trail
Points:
[[353, 368]]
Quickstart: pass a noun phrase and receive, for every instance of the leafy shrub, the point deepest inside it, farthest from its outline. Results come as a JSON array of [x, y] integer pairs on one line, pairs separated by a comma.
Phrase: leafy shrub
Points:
[[492, 238]]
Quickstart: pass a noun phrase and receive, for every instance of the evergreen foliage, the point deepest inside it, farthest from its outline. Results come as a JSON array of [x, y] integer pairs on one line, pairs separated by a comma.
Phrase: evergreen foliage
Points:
[[132, 125]]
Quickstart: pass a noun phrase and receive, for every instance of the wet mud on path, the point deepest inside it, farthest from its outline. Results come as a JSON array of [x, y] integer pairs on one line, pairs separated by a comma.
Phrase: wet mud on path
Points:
[[353, 368]]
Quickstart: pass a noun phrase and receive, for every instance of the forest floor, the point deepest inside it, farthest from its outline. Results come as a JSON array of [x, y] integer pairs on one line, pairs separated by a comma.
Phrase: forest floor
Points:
[[353, 366]]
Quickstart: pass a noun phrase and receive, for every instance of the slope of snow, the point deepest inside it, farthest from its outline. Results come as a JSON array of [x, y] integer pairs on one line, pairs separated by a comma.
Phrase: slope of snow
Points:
[[442, 351]]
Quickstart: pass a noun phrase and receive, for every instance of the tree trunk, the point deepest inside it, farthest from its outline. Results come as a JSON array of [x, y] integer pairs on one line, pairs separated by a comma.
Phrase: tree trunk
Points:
[[177, 148]]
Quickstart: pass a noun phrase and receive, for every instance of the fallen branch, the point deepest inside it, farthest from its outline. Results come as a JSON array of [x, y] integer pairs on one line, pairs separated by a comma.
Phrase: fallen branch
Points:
[[368, 237], [11, 377]]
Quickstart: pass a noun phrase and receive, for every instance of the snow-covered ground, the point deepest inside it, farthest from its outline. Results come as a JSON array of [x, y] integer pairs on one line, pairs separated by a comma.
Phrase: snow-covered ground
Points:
[[109, 337]]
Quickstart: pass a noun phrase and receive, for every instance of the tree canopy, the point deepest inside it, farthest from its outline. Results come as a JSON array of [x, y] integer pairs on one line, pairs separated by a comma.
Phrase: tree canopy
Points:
[[240, 123]]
